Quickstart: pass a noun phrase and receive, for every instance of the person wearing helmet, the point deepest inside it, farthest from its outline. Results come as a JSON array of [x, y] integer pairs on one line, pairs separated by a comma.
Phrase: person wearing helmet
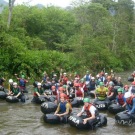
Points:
[[120, 99], [91, 112], [126, 88], [119, 82], [64, 108], [130, 101], [10, 86], [16, 92], [54, 90], [22, 83], [44, 77], [87, 79], [79, 92], [101, 92], [111, 91], [64, 79], [38, 91], [92, 84]]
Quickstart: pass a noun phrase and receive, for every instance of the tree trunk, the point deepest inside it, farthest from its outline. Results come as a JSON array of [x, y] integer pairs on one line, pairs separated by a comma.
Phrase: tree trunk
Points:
[[11, 4]]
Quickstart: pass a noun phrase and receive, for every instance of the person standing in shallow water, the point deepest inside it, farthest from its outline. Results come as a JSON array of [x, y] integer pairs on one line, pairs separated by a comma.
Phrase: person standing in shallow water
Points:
[[22, 83]]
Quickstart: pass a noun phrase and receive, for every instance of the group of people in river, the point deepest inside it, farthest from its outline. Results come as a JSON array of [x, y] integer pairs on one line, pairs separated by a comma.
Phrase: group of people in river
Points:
[[66, 88]]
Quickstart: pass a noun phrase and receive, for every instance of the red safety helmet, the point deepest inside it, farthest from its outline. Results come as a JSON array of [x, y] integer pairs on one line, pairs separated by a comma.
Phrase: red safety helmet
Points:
[[61, 89], [63, 95], [53, 87], [133, 83], [76, 84]]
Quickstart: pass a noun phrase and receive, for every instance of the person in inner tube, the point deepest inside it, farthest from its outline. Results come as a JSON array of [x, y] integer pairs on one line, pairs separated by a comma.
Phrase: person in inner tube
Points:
[[38, 91], [16, 92], [101, 92], [91, 112], [64, 108], [120, 99], [130, 101]]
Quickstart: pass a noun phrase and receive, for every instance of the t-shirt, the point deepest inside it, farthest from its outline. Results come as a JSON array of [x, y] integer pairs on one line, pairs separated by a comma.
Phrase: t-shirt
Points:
[[92, 110]]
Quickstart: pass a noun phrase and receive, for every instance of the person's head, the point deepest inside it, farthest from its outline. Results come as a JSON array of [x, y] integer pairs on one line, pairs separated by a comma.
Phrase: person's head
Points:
[[97, 76], [109, 78], [127, 95], [15, 84], [22, 76], [87, 72], [126, 87], [86, 101], [53, 88], [39, 85], [111, 84], [120, 90], [54, 75], [93, 78], [63, 97], [133, 83], [61, 89], [119, 79], [10, 81], [101, 84], [106, 74], [65, 74], [76, 85]]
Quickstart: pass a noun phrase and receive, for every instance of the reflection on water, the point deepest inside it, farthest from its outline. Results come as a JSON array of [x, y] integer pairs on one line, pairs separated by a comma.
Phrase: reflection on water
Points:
[[26, 119]]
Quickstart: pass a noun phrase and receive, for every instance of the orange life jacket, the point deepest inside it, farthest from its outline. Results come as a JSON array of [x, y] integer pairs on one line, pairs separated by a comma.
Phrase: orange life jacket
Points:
[[86, 109], [120, 99]]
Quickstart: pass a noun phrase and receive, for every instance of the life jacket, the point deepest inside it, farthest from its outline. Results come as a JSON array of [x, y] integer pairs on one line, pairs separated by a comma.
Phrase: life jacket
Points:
[[63, 107], [79, 93], [87, 78], [22, 82], [102, 92], [54, 92], [15, 91], [88, 113], [40, 91], [120, 99], [129, 101], [110, 90], [92, 85]]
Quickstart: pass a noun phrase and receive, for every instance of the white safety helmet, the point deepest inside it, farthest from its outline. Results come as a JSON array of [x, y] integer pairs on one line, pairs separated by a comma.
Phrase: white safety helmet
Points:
[[38, 84], [92, 78], [106, 73], [97, 75], [15, 83], [10, 81], [127, 95], [64, 73], [111, 83]]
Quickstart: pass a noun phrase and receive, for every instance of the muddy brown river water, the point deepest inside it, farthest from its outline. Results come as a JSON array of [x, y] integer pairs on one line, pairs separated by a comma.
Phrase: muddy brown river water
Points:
[[26, 119]]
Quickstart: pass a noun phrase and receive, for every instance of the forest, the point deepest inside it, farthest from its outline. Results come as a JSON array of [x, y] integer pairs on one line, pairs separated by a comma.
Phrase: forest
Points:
[[90, 35]]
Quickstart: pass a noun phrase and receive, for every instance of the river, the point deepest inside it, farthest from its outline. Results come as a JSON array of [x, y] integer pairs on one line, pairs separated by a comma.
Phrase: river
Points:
[[26, 119]]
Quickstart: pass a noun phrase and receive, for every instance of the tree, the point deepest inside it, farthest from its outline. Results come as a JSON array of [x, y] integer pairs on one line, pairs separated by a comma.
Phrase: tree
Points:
[[11, 5]]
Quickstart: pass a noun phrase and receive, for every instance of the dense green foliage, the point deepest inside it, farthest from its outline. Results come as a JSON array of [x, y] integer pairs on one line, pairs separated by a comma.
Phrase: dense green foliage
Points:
[[91, 36]]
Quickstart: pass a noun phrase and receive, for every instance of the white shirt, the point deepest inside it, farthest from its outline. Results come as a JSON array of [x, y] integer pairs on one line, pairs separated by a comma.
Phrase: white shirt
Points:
[[92, 110]]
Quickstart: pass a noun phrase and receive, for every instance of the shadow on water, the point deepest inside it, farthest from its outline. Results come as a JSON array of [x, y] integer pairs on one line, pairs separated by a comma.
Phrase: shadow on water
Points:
[[26, 119]]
